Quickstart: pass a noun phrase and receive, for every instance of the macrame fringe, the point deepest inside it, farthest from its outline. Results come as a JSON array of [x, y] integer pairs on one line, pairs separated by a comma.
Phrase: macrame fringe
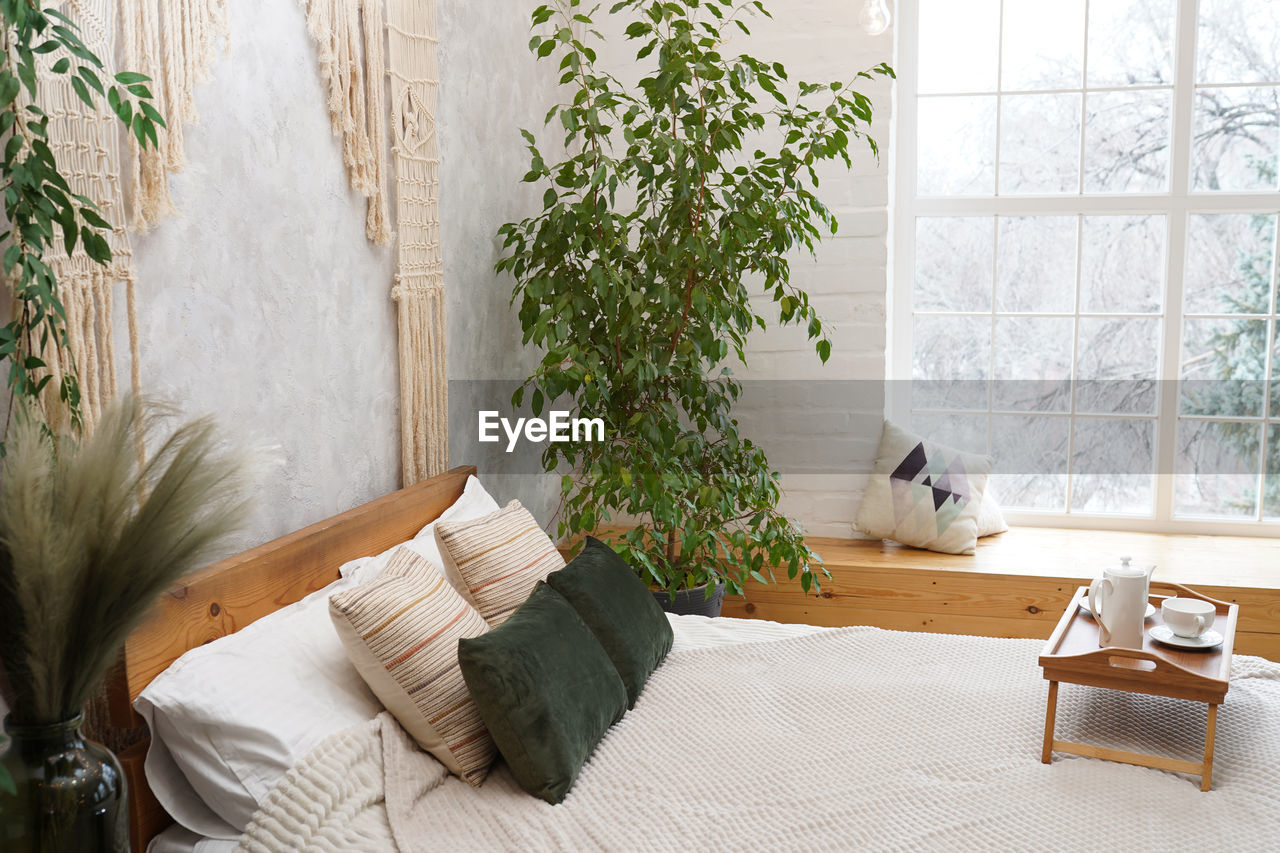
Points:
[[174, 42], [419, 290], [424, 383], [343, 30]]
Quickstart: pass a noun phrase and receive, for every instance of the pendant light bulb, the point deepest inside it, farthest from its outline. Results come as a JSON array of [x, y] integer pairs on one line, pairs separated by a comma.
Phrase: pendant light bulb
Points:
[[874, 17]]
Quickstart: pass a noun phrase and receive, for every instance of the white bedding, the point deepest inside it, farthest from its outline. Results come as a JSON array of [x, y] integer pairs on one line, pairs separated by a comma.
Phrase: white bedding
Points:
[[691, 632], [854, 738]]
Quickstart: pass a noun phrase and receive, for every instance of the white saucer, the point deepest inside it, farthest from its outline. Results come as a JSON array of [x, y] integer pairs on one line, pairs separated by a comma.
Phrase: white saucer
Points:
[[1163, 634], [1084, 605]]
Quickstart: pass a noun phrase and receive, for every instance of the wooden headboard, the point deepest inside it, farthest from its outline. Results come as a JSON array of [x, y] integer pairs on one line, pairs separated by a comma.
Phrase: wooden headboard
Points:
[[234, 592]]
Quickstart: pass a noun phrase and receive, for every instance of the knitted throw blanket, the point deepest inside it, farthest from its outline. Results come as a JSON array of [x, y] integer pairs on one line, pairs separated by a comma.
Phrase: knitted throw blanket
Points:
[[847, 739]]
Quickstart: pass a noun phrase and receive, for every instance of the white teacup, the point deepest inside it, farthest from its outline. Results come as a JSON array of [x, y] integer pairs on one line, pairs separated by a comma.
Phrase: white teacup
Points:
[[1187, 617]]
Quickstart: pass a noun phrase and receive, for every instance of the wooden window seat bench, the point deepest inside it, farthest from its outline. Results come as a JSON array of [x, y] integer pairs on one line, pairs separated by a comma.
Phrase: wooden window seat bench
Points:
[[1019, 583]]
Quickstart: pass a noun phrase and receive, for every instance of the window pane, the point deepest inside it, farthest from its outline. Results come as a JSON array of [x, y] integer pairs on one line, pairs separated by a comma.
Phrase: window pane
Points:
[[1122, 263], [1043, 44], [1217, 469], [957, 139], [959, 50], [1112, 463], [950, 363], [1275, 376], [1229, 263], [1031, 461], [1238, 42], [1127, 142], [1237, 134], [954, 259], [1032, 364], [963, 432], [1131, 42], [1117, 365], [1223, 367], [1271, 490], [1039, 144], [1036, 268]]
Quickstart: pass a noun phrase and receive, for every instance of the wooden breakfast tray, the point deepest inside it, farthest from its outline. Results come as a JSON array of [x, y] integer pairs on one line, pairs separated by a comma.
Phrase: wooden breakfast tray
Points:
[[1072, 655]]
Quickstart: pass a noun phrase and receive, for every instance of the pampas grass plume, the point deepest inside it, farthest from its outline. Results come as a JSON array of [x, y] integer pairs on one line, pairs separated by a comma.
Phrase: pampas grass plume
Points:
[[89, 538]]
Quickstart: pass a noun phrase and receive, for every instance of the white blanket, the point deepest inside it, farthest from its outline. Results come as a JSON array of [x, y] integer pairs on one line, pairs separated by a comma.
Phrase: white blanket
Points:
[[848, 739]]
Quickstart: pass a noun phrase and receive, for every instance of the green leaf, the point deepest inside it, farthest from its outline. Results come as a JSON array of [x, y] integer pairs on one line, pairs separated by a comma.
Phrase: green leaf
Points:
[[27, 74], [128, 78], [151, 113], [81, 92], [139, 133], [148, 130], [89, 77], [94, 219]]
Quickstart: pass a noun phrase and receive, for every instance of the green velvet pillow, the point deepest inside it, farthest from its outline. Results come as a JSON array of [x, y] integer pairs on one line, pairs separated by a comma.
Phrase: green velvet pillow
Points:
[[619, 609], [546, 691]]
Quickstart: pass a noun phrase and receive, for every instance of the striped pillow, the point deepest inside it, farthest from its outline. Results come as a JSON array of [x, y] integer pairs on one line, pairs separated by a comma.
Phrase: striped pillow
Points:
[[401, 631], [500, 556]]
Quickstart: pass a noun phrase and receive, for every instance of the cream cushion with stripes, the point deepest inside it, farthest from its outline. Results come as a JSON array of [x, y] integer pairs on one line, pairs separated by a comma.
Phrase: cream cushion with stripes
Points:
[[401, 631], [500, 556]]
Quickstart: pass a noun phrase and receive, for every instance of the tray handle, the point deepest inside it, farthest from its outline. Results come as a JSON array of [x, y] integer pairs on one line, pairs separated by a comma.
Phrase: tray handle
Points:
[[1162, 665], [1180, 591]]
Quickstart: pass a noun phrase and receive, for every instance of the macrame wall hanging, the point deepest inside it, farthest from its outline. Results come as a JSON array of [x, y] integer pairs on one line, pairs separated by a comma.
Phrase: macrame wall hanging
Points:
[[344, 30], [85, 144], [173, 42], [419, 289]]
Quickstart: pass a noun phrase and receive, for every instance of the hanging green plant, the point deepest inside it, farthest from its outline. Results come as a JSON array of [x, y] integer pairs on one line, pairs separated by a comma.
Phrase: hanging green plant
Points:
[[42, 211], [679, 199]]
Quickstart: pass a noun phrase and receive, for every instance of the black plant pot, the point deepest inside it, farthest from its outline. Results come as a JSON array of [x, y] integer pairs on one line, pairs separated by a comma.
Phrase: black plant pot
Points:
[[692, 602], [65, 793]]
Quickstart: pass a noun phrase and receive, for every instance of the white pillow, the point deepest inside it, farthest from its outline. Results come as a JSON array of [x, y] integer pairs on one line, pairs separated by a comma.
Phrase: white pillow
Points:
[[990, 518], [474, 503], [230, 718], [923, 494]]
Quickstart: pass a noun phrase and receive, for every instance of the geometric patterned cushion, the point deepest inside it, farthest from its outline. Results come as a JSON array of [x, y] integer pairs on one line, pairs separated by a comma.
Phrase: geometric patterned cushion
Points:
[[500, 556], [924, 494], [401, 631]]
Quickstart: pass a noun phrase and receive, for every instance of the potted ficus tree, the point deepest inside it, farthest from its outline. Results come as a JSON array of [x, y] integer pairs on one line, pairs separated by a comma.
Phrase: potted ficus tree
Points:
[[677, 199]]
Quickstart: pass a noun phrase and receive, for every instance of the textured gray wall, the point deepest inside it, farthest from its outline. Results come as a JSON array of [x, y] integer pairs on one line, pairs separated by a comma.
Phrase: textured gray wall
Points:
[[490, 89], [263, 302]]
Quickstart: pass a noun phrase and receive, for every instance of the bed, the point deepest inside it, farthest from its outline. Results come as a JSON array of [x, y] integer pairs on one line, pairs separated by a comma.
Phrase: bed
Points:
[[752, 735]]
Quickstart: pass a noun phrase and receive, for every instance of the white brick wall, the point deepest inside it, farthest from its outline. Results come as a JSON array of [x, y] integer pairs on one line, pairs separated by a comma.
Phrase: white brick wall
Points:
[[821, 40]]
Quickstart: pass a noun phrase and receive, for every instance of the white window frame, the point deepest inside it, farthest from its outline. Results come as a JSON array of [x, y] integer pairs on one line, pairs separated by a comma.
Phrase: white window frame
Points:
[[1176, 204]]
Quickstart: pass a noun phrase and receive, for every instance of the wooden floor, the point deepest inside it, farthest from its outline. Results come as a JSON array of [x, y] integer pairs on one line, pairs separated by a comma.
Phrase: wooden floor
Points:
[[1019, 583]]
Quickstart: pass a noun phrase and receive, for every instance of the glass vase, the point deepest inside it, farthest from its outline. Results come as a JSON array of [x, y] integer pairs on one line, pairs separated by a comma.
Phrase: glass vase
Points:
[[59, 792]]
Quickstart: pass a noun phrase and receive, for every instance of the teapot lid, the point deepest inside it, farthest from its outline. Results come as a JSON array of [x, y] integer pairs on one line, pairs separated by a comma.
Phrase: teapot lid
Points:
[[1126, 569]]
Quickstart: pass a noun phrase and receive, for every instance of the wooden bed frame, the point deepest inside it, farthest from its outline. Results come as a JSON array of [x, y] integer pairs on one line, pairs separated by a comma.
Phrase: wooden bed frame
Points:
[[234, 592]]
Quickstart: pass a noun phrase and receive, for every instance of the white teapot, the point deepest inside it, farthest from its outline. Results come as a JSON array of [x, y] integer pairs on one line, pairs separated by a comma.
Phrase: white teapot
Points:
[[1118, 601]]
